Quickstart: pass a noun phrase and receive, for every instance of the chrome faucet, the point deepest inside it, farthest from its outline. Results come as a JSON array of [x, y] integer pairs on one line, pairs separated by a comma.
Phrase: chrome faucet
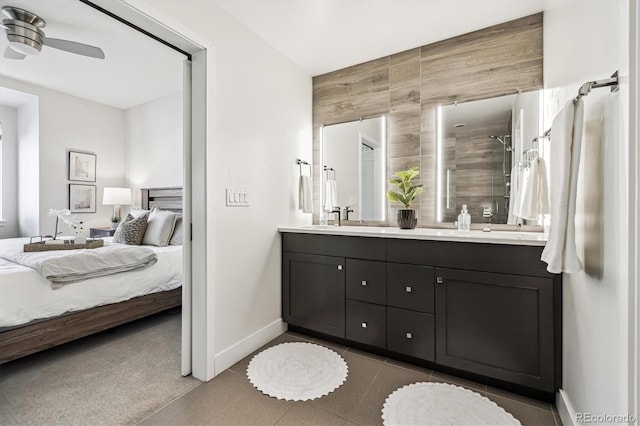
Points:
[[347, 210], [337, 211]]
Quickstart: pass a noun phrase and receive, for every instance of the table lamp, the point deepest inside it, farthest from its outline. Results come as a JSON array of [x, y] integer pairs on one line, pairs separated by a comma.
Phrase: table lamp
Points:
[[116, 197]]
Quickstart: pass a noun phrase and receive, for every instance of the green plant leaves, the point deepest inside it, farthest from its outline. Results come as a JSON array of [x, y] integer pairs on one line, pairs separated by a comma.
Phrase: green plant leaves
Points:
[[406, 190]]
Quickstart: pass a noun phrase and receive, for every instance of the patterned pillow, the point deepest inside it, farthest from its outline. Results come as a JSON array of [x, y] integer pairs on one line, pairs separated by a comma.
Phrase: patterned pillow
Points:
[[131, 230]]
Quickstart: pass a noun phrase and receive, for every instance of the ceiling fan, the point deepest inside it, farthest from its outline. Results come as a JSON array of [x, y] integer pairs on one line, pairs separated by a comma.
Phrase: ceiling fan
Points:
[[25, 35]]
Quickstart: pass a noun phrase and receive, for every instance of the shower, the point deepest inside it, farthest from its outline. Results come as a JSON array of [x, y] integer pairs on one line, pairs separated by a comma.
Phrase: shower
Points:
[[505, 140]]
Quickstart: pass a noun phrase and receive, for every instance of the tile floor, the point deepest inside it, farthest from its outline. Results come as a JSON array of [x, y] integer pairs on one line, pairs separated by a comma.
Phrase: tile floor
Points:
[[230, 399]]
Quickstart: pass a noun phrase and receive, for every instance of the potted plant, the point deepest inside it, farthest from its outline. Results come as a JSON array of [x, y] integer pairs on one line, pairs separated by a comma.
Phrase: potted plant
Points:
[[407, 218]]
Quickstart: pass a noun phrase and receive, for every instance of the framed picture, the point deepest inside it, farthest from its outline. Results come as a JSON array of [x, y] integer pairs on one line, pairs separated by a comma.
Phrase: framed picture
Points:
[[82, 198], [82, 166]]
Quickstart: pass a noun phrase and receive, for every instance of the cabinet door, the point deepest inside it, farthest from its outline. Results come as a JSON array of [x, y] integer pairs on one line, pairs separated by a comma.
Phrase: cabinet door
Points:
[[367, 323], [367, 281], [410, 287], [313, 294], [496, 325], [411, 333]]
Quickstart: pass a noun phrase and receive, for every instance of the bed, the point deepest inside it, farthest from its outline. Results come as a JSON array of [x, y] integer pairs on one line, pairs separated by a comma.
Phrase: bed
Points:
[[53, 317]]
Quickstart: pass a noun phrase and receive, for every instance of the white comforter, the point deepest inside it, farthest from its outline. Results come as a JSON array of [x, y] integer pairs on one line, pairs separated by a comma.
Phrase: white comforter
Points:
[[26, 296]]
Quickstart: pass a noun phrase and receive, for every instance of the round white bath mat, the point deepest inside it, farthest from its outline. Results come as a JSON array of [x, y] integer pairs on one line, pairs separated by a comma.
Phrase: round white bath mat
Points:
[[430, 403], [297, 371]]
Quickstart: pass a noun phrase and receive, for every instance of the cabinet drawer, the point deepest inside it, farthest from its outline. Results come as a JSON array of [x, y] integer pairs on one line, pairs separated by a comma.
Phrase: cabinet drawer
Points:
[[367, 281], [411, 333], [410, 287], [367, 323]]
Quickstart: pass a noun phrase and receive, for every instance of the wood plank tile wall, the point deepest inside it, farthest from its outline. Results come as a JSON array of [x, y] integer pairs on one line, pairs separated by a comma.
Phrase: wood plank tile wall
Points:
[[408, 86]]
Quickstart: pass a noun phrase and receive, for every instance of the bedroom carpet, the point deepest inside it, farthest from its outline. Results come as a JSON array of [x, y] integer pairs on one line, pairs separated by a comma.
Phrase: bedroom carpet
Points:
[[115, 377]]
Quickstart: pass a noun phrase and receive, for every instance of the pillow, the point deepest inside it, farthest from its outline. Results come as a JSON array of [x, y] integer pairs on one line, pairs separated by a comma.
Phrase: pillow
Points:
[[176, 238], [159, 228], [136, 212], [131, 230]]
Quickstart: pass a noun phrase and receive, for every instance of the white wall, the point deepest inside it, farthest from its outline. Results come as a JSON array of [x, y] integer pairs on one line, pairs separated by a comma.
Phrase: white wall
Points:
[[67, 122], [258, 123], [585, 41], [9, 120], [29, 168], [153, 152]]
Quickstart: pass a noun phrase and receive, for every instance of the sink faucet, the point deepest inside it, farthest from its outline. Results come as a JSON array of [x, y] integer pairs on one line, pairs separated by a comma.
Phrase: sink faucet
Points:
[[337, 211], [347, 210]]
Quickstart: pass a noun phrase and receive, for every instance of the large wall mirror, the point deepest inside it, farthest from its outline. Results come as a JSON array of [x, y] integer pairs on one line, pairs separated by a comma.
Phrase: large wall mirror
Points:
[[478, 144], [354, 156]]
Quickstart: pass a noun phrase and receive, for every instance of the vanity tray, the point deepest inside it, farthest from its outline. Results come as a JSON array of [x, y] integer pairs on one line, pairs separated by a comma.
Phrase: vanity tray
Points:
[[41, 246]]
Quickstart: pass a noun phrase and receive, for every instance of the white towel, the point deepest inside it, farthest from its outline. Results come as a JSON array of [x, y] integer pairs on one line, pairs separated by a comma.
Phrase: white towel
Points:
[[535, 199], [305, 198], [515, 195], [522, 185], [566, 140], [330, 195]]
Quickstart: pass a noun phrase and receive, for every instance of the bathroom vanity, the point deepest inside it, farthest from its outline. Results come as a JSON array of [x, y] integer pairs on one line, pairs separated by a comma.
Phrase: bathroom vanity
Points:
[[481, 305]]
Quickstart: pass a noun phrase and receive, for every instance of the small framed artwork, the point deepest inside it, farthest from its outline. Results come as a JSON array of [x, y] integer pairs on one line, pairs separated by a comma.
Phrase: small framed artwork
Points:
[[82, 198], [82, 166]]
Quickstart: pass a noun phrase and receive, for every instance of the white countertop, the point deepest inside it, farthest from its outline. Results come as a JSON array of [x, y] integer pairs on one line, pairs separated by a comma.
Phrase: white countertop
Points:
[[473, 236]]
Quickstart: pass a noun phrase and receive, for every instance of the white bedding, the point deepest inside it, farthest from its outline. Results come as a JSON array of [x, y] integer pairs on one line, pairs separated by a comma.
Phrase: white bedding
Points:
[[26, 296]]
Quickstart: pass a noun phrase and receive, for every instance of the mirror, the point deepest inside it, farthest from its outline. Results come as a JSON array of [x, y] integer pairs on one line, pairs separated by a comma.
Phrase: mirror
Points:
[[353, 160], [478, 143]]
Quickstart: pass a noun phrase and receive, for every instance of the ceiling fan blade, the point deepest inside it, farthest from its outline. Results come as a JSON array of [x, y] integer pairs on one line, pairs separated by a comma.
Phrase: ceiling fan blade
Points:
[[9, 53], [74, 47], [3, 26]]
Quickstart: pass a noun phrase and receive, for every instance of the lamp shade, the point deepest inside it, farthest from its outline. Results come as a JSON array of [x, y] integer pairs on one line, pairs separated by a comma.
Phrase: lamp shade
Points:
[[116, 197]]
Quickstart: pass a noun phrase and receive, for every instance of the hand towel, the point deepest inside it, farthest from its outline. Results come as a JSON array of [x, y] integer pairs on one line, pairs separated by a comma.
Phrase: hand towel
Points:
[[535, 199], [560, 253], [330, 195], [515, 195], [305, 198], [523, 181]]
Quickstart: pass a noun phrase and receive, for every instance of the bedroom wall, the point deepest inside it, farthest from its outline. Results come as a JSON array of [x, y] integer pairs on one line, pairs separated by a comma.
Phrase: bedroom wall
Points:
[[67, 122], [595, 315], [9, 216], [154, 131], [258, 123], [28, 169]]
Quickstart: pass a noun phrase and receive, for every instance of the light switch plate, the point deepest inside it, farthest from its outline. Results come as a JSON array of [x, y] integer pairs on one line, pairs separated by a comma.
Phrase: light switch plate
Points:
[[237, 197]]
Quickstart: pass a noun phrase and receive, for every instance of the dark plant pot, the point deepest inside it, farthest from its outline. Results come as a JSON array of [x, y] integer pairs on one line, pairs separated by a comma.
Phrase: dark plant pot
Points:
[[407, 218]]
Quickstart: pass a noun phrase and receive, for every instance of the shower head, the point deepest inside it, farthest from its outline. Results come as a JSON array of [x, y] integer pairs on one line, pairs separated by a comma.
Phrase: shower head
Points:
[[502, 139]]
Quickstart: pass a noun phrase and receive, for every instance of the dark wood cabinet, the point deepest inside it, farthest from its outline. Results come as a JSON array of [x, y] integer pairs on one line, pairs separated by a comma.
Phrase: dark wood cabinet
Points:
[[411, 333], [367, 281], [367, 323], [314, 292], [410, 287], [490, 311], [497, 325]]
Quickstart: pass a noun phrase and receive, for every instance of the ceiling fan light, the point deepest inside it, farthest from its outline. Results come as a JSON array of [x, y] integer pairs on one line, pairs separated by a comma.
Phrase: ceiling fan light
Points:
[[23, 45]]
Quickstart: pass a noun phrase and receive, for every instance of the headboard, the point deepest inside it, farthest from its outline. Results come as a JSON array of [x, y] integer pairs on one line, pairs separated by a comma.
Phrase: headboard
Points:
[[169, 198]]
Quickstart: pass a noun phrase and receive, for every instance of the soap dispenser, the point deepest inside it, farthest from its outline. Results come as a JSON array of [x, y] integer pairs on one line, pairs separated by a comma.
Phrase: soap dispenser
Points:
[[464, 219]]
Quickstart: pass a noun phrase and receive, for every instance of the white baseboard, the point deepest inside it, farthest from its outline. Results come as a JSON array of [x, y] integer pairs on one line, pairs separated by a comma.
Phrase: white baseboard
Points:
[[565, 408], [244, 347]]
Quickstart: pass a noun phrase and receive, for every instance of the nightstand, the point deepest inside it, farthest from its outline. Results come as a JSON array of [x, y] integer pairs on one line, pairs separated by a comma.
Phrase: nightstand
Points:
[[101, 232]]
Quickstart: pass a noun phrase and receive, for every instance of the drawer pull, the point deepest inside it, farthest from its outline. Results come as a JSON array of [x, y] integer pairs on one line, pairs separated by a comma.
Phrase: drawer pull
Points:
[[409, 336], [339, 267], [364, 283], [440, 280], [364, 325], [407, 289]]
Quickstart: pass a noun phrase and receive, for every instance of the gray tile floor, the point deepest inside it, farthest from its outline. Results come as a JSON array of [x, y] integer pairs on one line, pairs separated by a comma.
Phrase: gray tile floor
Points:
[[229, 399]]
